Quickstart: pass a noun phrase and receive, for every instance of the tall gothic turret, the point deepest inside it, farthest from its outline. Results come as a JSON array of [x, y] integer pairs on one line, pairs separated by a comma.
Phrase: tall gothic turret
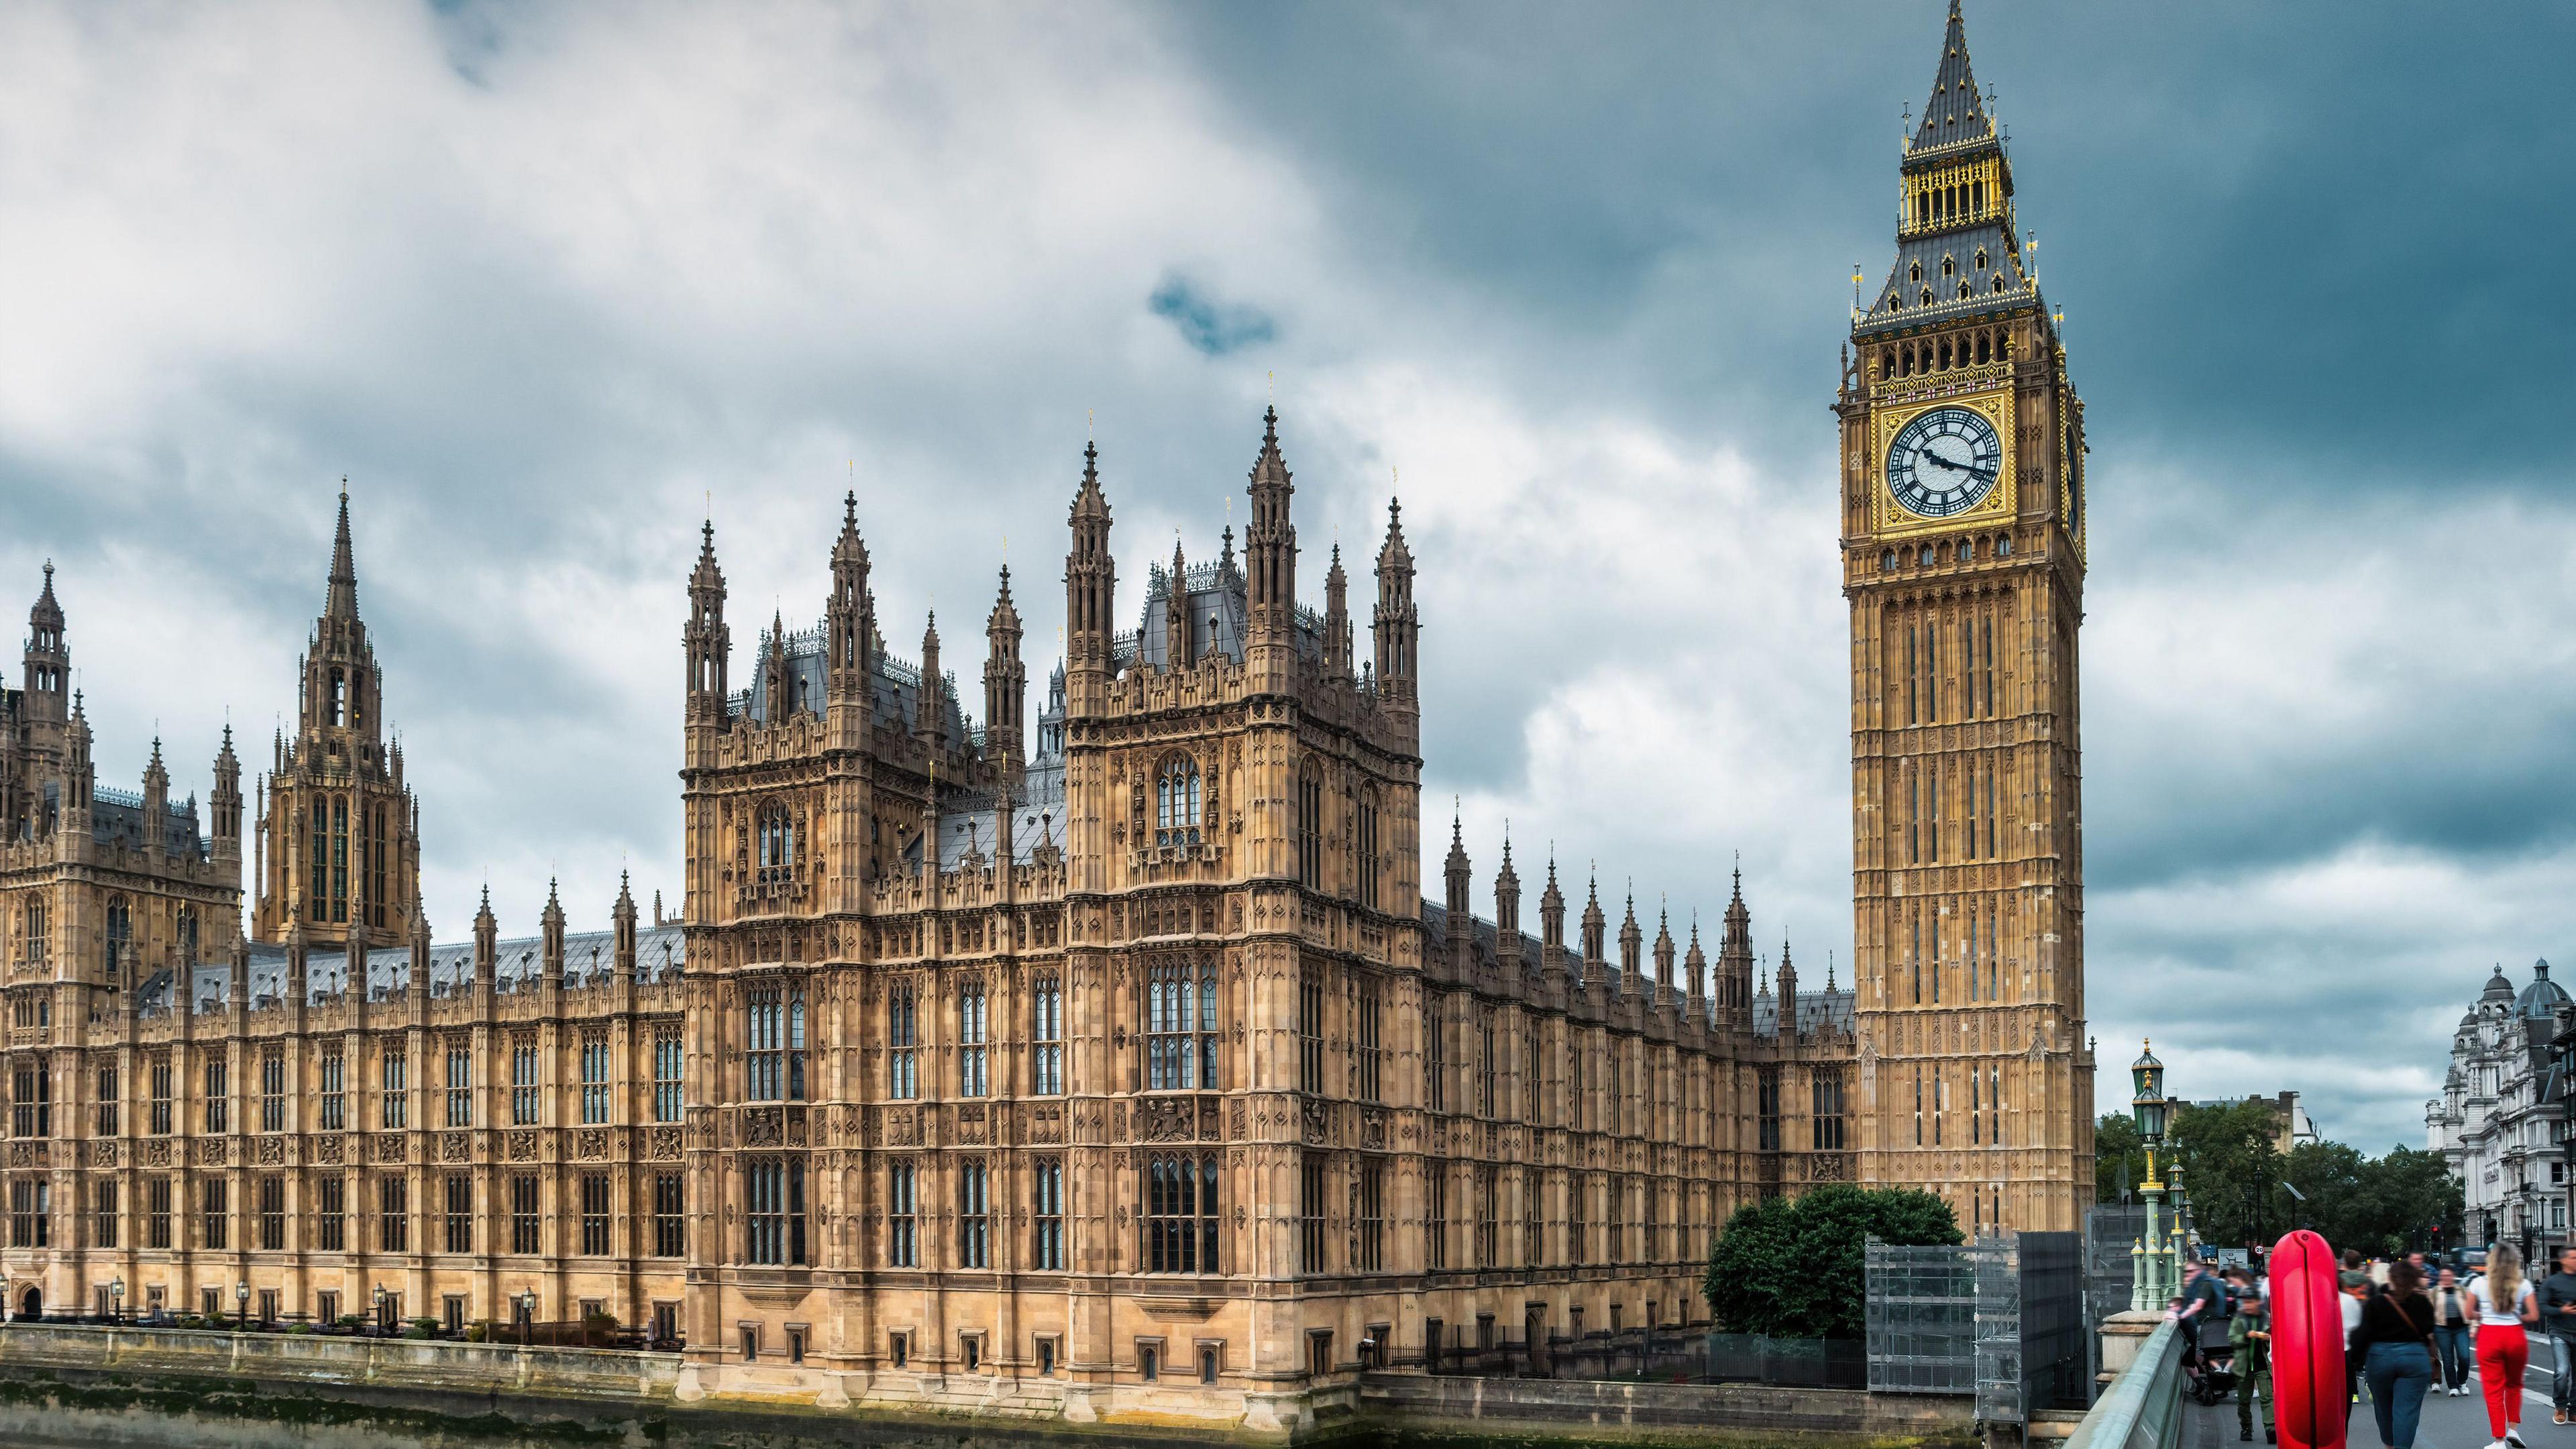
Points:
[[1695, 965], [845, 617], [1270, 558], [1178, 650], [930, 715], [1006, 689], [1735, 957], [1397, 628], [1507, 914], [156, 804], [225, 805], [1593, 927], [705, 641], [1090, 590], [1337, 619], [1551, 915], [1632, 945], [48, 664], [1663, 955]]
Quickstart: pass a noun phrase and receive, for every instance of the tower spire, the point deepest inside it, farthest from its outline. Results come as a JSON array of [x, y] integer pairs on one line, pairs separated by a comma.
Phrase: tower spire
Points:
[[342, 602]]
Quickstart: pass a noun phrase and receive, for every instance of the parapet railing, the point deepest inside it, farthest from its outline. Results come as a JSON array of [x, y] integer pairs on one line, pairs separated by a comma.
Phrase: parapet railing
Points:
[[2143, 1407]]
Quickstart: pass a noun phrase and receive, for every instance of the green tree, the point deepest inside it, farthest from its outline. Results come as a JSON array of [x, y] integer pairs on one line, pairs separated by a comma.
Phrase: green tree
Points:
[[1795, 1268], [2378, 1205], [2119, 1158], [2230, 1171]]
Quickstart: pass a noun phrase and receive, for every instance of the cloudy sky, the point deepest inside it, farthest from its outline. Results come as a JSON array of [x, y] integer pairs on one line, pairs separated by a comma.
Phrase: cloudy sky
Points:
[[544, 281]]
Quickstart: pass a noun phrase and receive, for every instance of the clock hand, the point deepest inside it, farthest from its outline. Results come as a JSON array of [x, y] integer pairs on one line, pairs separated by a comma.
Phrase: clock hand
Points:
[[1931, 456]]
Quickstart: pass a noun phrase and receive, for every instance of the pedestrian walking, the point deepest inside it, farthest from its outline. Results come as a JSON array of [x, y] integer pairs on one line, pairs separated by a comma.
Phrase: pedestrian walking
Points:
[[2249, 1332], [2502, 1304], [2396, 1341], [2558, 1313], [2355, 1289], [2451, 1333]]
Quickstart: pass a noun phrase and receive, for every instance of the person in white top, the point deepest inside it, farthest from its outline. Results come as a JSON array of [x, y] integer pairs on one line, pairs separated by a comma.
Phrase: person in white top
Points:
[[2502, 1303]]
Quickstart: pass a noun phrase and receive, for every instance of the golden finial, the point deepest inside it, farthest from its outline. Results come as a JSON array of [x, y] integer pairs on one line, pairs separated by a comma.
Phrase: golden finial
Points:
[[1086, 425], [1274, 387]]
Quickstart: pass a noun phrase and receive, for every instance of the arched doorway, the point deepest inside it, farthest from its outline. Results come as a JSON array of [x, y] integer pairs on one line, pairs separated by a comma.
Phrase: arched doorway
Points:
[[31, 1304]]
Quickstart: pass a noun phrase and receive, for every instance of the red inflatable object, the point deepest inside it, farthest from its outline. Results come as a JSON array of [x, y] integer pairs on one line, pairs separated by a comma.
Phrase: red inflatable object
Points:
[[2310, 1395]]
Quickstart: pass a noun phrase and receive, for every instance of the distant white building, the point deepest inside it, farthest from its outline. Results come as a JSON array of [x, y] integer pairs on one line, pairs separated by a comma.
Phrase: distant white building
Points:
[[2498, 1122]]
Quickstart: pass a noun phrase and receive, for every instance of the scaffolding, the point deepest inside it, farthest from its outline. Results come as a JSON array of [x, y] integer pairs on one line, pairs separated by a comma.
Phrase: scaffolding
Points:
[[2001, 1319]]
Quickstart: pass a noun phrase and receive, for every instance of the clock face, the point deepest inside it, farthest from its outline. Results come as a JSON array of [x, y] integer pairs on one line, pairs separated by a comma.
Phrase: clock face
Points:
[[1944, 462]]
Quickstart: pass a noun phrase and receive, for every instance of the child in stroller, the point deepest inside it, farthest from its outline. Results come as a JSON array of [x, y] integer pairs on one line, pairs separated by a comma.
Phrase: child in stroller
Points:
[[2207, 1359]]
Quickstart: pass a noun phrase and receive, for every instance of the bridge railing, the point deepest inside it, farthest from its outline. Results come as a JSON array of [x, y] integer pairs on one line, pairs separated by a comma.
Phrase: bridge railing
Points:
[[2142, 1409]]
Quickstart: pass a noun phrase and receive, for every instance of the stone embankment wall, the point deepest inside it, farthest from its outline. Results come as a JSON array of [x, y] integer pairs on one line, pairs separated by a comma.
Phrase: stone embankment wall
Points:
[[195, 1389]]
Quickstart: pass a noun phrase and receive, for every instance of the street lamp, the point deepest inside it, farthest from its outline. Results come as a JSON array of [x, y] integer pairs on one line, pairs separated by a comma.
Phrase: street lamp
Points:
[[527, 1305], [380, 1308], [116, 1300], [2156, 1275], [241, 1296]]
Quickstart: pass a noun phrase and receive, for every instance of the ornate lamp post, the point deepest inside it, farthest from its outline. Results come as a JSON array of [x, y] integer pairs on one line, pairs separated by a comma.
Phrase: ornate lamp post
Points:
[[2155, 1277]]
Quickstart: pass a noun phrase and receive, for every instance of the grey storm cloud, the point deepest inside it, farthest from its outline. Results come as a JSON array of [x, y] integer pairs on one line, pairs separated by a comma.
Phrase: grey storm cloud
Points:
[[550, 284]]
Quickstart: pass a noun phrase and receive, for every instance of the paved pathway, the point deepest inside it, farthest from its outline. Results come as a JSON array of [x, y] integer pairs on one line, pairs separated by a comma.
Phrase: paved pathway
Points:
[[2448, 1423]]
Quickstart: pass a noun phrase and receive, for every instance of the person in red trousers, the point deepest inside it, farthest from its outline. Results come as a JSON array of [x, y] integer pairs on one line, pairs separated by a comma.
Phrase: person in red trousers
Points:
[[2502, 1303]]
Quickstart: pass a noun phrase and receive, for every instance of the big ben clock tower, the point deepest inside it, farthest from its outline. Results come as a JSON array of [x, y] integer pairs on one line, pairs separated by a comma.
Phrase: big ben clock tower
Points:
[[1963, 558]]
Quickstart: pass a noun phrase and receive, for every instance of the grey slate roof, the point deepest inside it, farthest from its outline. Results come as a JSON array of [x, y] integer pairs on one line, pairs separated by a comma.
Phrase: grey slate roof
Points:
[[895, 689], [518, 965], [1955, 115], [1817, 1011]]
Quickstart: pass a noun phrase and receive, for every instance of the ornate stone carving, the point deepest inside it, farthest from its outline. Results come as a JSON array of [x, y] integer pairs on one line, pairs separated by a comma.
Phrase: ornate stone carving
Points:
[[662, 1144], [523, 1147], [590, 1144], [326, 1151]]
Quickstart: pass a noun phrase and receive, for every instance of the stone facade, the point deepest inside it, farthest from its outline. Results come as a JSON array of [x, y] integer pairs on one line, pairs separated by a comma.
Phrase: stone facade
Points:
[[289, 1126], [1963, 559], [2500, 1121], [1141, 1058]]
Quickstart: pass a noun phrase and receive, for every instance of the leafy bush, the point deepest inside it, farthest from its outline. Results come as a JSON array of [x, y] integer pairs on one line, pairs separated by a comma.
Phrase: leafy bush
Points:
[[1793, 1268]]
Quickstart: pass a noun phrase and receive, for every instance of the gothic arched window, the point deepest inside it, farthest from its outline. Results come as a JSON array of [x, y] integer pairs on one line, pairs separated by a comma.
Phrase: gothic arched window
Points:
[[1176, 802], [1310, 828], [1180, 1026], [1368, 852], [1181, 1214], [777, 842], [339, 698], [120, 933]]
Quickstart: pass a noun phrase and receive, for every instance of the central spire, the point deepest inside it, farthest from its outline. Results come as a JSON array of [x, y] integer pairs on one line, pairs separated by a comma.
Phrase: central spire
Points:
[[343, 600]]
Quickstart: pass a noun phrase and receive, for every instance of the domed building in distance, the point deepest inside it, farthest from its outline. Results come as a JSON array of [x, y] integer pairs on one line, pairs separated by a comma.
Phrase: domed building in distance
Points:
[[2500, 1121]]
